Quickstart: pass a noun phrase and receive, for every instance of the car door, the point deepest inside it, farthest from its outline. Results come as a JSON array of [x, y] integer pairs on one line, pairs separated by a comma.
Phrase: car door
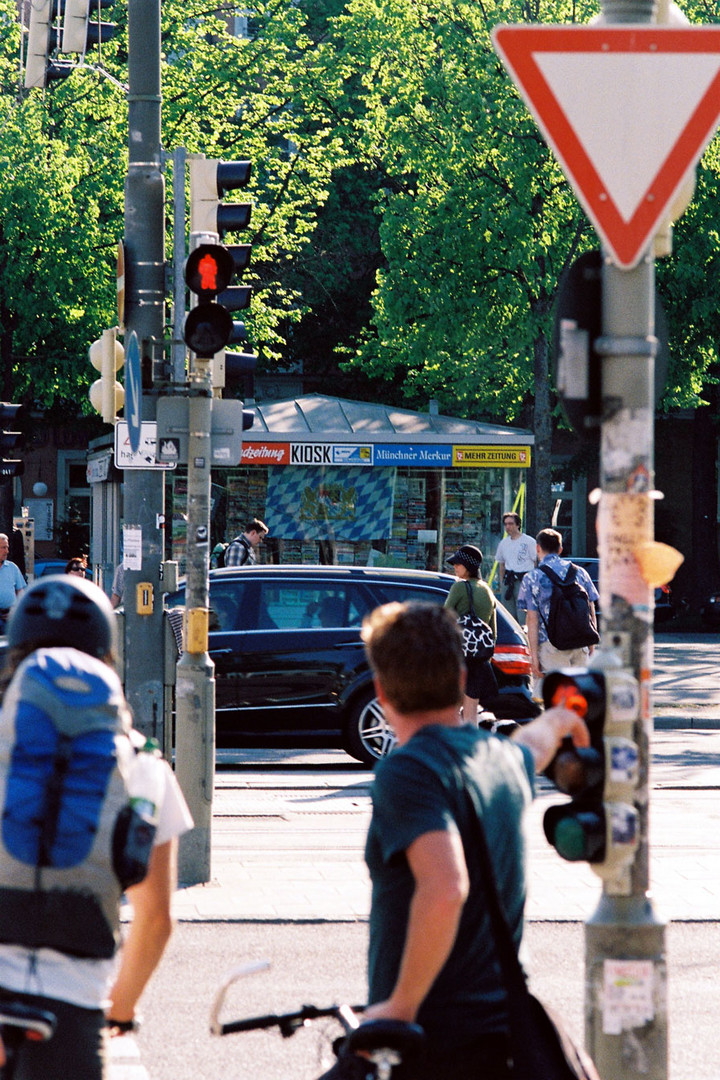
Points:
[[296, 645]]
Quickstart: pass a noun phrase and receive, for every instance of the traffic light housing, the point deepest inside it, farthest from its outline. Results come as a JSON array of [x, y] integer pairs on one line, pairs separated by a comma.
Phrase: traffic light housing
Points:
[[74, 34], [41, 42], [600, 825], [12, 439], [107, 356], [80, 32], [209, 326], [209, 180]]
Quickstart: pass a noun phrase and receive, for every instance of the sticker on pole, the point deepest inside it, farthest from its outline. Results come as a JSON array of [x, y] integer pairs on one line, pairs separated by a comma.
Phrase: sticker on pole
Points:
[[627, 111]]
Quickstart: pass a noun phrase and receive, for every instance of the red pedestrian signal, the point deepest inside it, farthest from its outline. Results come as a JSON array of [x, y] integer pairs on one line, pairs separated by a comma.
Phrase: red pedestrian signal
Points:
[[209, 270]]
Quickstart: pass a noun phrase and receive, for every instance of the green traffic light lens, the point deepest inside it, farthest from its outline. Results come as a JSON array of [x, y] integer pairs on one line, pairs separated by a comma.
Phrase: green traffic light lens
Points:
[[570, 839], [579, 836]]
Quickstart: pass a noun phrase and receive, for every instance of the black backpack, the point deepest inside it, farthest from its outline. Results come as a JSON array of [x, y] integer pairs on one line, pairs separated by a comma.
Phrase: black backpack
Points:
[[570, 623]]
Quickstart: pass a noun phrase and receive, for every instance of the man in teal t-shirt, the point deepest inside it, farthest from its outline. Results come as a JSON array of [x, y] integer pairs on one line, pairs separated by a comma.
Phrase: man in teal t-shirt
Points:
[[431, 956]]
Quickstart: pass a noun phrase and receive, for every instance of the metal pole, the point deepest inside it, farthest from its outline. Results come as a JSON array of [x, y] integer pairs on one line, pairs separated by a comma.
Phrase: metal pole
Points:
[[179, 352], [195, 686], [625, 967], [145, 298]]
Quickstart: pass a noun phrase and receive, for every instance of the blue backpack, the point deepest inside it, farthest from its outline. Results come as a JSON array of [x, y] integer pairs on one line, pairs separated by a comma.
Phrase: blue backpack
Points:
[[71, 841]]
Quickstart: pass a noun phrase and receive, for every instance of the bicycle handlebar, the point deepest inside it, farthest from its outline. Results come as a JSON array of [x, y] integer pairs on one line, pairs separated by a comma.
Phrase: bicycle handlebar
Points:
[[385, 1043], [290, 1022]]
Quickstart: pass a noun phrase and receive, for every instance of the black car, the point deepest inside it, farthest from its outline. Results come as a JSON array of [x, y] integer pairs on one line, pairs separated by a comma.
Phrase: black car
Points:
[[710, 611], [290, 667], [664, 607]]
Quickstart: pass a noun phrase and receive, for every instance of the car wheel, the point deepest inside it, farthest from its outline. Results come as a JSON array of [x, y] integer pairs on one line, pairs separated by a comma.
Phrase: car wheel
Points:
[[368, 736]]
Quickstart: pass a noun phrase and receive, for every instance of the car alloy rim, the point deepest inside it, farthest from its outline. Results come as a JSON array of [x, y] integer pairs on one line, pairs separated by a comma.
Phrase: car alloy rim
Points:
[[376, 735]]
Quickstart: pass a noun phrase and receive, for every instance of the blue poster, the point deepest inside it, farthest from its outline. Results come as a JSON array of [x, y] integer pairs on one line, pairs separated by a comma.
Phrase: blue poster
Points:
[[341, 503], [420, 455]]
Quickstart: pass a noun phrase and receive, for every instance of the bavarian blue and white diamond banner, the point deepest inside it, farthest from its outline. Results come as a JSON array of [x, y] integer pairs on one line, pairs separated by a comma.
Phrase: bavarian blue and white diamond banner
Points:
[[341, 503]]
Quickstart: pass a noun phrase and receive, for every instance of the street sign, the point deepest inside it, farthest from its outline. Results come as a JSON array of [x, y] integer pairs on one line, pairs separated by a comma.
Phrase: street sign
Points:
[[173, 426], [627, 111], [133, 383], [144, 456]]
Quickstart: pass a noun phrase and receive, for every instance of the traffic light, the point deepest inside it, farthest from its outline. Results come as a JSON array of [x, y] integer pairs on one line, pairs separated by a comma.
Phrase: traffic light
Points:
[[600, 825], [12, 439], [209, 326], [41, 42], [107, 356], [209, 180], [80, 32]]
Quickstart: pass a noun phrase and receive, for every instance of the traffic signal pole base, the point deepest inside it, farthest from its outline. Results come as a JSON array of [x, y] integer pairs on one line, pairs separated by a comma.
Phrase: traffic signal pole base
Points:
[[195, 762], [626, 1024]]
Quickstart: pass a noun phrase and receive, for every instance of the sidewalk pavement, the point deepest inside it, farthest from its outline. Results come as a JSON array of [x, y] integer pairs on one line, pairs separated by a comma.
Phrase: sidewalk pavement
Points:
[[124, 1059], [289, 846]]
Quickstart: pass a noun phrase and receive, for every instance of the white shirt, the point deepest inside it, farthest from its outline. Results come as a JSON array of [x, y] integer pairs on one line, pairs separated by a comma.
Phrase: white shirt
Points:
[[518, 555]]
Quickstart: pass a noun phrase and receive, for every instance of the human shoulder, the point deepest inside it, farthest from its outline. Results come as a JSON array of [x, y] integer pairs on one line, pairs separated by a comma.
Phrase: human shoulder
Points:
[[457, 589], [583, 578]]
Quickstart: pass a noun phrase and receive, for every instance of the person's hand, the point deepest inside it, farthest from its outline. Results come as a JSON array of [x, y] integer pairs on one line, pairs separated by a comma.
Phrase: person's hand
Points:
[[387, 1010], [544, 735], [567, 722]]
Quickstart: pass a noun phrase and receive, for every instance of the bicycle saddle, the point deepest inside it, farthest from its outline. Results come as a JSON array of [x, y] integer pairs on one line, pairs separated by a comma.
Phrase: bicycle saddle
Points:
[[373, 1035], [28, 1020]]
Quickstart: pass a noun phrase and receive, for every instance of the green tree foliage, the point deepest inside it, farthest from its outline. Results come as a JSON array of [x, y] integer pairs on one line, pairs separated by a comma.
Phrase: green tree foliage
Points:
[[477, 221], [64, 159]]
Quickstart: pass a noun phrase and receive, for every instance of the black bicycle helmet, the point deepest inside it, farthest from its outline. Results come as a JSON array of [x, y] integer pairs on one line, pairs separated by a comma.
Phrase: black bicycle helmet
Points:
[[63, 610]]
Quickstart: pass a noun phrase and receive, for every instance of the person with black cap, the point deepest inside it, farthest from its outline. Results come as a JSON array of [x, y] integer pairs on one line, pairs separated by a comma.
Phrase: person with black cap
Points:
[[481, 683]]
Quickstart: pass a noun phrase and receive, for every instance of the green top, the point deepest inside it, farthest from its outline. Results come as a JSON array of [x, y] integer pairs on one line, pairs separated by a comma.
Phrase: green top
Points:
[[483, 601]]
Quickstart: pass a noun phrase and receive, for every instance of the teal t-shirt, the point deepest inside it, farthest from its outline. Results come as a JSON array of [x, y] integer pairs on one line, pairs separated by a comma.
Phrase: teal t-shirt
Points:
[[416, 791]]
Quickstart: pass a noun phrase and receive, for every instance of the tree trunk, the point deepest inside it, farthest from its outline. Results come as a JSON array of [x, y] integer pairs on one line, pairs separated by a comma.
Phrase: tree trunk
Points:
[[539, 504]]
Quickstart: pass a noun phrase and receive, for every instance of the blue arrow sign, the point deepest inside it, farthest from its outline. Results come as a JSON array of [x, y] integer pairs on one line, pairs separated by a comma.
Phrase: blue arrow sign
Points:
[[133, 380]]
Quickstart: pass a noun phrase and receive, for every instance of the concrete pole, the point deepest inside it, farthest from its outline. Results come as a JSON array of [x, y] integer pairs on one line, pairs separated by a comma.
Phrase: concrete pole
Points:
[[626, 978], [145, 299], [195, 685]]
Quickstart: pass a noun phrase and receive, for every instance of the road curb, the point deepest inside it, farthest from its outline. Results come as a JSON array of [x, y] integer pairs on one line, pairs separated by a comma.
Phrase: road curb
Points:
[[670, 722]]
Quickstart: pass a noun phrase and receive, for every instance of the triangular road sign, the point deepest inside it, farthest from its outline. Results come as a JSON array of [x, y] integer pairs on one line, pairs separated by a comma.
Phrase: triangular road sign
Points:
[[627, 110]]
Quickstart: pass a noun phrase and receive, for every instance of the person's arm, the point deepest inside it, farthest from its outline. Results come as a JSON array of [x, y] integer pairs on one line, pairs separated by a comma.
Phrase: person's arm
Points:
[[438, 866], [543, 736], [149, 932], [457, 590], [532, 622], [591, 649]]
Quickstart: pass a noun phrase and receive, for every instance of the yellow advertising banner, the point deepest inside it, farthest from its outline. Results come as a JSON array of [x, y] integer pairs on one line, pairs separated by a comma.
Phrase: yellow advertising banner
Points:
[[488, 457]]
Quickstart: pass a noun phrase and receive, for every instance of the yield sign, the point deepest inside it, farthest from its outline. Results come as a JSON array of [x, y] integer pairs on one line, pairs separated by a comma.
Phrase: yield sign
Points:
[[627, 110]]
